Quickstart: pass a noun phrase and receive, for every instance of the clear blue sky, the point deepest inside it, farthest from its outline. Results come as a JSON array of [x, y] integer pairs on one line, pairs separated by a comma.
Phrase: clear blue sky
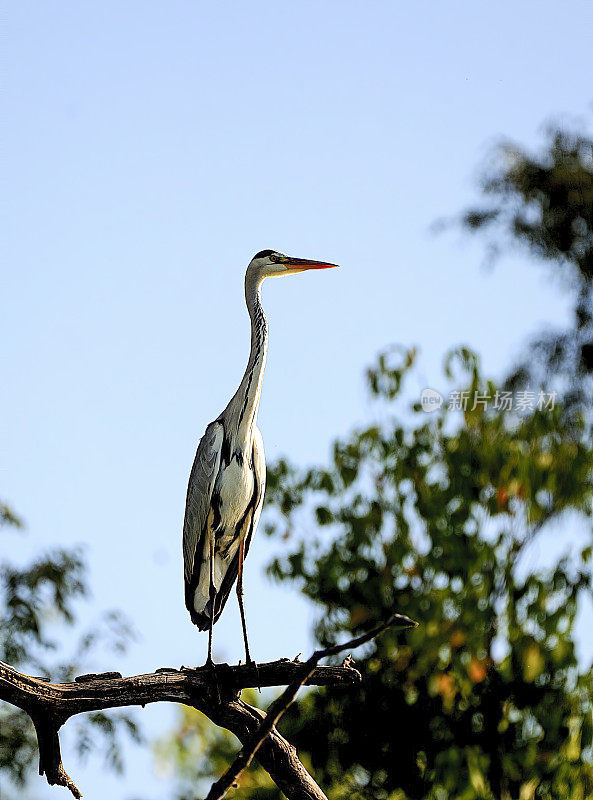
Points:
[[150, 149]]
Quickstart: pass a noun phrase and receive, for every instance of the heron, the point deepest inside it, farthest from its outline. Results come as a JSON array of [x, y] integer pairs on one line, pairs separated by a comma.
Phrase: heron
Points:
[[225, 493]]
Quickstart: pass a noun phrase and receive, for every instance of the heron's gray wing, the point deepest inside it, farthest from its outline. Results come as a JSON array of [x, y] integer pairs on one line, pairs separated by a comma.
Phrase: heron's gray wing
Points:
[[199, 494]]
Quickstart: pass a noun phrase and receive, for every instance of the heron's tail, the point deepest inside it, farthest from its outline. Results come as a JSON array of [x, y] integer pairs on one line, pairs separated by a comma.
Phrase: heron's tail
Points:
[[197, 596]]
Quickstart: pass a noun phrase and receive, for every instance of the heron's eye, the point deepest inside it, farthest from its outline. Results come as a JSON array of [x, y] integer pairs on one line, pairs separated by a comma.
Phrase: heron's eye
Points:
[[273, 257]]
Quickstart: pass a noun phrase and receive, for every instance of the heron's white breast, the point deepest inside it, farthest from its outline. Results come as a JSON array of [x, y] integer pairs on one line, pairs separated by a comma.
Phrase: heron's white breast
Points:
[[235, 487]]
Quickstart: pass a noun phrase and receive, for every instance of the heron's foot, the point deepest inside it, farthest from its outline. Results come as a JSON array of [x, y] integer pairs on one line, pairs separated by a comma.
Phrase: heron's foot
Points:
[[211, 667], [249, 662]]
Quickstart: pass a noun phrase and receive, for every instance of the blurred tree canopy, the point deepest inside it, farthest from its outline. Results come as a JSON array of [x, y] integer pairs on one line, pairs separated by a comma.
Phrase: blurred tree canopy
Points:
[[433, 516], [36, 599], [542, 203], [439, 516]]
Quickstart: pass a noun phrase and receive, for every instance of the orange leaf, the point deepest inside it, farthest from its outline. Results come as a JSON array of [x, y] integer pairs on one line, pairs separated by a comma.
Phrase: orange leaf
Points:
[[477, 670]]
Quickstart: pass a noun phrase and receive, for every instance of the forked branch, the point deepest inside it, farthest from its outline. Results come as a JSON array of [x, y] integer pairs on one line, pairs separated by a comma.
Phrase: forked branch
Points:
[[281, 704], [216, 693]]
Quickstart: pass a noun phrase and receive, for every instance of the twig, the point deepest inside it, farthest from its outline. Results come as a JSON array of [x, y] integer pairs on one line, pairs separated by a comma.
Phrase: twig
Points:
[[50, 758], [281, 704]]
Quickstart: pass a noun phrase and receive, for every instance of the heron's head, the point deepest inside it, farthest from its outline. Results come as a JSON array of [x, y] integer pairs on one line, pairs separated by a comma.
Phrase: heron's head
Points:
[[271, 263]]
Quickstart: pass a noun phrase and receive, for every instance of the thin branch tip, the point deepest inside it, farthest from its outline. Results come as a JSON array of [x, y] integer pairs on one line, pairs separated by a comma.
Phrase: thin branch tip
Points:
[[402, 621]]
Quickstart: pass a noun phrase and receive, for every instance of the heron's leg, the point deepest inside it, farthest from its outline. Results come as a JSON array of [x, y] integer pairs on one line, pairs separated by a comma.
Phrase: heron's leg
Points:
[[209, 661], [248, 658]]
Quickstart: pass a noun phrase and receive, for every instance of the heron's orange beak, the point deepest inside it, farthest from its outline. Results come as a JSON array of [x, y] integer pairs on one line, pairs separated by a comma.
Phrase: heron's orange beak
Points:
[[304, 263]]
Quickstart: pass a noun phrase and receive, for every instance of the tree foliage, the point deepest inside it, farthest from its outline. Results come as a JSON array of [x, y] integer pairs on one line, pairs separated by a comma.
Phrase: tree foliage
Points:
[[37, 600], [433, 517], [542, 203]]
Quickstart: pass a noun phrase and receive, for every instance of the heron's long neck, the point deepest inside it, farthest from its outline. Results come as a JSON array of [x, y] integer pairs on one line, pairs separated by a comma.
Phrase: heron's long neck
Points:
[[246, 400]]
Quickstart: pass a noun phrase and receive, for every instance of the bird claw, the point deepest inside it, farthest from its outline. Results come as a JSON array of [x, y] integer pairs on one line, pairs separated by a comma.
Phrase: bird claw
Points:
[[211, 667], [183, 668], [251, 663]]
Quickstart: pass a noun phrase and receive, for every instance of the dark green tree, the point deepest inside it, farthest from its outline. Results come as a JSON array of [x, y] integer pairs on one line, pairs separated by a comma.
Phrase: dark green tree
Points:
[[36, 601], [433, 517]]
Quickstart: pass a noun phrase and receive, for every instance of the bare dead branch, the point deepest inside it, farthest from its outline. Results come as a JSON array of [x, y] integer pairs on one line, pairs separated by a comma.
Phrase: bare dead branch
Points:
[[281, 704], [213, 692], [50, 758], [276, 755]]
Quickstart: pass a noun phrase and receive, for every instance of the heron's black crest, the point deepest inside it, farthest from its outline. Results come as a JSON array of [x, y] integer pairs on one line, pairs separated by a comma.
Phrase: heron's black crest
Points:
[[264, 253]]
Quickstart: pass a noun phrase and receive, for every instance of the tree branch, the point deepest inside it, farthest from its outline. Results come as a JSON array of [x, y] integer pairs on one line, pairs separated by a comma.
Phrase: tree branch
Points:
[[50, 757], [276, 755], [281, 704], [213, 692]]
